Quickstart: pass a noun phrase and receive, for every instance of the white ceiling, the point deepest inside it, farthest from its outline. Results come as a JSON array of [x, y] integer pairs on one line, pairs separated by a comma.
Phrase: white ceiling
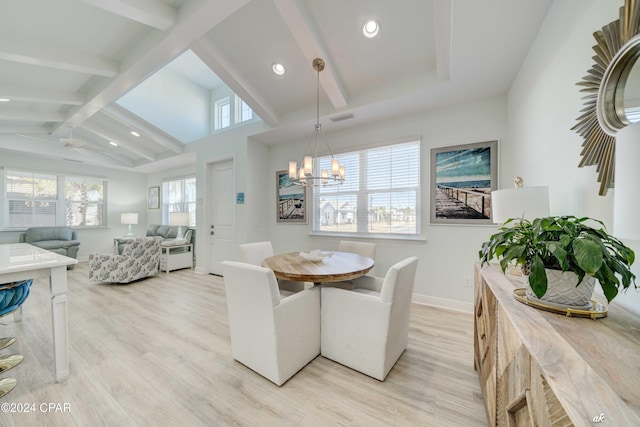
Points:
[[64, 63]]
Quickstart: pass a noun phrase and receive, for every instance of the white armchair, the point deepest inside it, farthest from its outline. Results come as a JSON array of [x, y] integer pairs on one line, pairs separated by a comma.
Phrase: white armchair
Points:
[[254, 253], [140, 258], [367, 328], [274, 336]]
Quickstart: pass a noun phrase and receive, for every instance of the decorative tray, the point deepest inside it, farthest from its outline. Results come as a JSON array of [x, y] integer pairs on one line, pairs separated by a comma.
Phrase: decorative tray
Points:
[[315, 255], [594, 311]]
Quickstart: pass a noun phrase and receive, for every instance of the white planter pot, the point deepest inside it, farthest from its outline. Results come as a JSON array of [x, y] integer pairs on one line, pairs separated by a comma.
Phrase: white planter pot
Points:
[[562, 289]]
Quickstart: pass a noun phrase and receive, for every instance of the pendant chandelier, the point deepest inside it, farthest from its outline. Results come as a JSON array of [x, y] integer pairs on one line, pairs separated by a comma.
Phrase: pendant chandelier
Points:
[[309, 174]]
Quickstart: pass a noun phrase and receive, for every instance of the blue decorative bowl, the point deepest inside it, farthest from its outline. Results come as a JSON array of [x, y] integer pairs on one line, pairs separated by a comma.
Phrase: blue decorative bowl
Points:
[[12, 295]]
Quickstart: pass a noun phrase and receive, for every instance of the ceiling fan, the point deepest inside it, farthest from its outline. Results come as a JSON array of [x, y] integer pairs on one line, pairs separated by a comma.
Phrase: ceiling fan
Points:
[[70, 142]]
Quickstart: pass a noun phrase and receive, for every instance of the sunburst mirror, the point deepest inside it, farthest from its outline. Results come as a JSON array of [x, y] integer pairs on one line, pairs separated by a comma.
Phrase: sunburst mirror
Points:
[[605, 110]]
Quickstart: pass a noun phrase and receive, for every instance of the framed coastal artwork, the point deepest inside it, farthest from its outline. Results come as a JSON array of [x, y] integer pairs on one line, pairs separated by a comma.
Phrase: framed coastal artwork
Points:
[[462, 179], [153, 198], [291, 200]]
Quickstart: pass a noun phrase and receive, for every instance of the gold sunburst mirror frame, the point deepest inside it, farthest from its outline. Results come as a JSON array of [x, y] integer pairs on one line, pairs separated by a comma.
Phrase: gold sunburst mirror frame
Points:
[[603, 115]]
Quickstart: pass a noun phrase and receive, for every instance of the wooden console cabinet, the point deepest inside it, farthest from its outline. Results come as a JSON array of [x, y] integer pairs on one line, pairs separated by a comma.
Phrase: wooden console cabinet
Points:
[[544, 369]]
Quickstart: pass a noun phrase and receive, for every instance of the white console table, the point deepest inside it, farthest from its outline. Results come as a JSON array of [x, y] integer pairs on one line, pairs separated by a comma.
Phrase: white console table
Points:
[[175, 257], [20, 261]]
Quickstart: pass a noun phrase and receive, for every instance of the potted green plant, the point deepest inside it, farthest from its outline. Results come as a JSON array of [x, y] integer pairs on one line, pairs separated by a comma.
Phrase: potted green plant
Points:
[[563, 246]]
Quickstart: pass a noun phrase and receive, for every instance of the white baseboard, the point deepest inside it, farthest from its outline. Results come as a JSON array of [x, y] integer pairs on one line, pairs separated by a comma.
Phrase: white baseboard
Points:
[[443, 303]]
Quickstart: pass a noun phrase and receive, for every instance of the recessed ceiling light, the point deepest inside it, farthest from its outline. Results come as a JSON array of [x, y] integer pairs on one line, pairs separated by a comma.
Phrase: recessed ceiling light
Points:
[[4, 100], [115, 144], [134, 133], [370, 28], [278, 68]]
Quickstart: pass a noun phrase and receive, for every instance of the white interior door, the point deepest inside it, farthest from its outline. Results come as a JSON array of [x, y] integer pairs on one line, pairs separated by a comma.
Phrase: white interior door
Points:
[[221, 226]]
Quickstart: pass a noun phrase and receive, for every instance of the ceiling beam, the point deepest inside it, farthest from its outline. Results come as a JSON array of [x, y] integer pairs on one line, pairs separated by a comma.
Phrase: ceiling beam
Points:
[[43, 96], [102, 147], [153, 13], [122, 139], [443, 24], [31, 116], [301, 26], [128, 119], [215, 59], [32, 130], [196, 18], [28, 52]]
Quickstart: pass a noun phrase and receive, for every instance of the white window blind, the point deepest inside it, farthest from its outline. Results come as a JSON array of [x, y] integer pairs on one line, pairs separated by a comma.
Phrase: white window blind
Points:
[[380, 195], [31, 199], [38, 199]]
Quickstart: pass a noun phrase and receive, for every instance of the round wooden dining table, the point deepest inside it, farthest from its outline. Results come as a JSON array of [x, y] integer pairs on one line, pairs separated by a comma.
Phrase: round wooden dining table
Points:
[[339, 267]]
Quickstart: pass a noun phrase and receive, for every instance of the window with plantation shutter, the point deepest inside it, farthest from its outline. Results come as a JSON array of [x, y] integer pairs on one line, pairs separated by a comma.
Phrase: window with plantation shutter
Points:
[[380, 194]]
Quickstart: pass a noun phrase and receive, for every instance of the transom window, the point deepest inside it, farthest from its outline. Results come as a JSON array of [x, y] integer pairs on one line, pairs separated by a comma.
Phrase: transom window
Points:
[[380, 195], [223, 113], [231, 110], [243, 111]]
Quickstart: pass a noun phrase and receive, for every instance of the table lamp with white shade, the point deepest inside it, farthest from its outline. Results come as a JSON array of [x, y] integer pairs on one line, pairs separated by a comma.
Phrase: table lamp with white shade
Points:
[[519, 202], [129, 218], [626, 203], [180, 219]]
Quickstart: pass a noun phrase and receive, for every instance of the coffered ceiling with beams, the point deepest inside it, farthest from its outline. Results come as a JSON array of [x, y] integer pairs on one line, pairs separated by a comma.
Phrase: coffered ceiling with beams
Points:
[[65, 63]]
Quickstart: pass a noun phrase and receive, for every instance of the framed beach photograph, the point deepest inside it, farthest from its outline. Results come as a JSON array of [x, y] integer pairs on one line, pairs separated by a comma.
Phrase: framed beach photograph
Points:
[[462, 179], [291, 200], [153, 198]]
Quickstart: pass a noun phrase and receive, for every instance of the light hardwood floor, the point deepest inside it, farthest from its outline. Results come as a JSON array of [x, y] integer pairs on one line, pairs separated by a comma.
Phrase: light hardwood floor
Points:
[[157, 353]]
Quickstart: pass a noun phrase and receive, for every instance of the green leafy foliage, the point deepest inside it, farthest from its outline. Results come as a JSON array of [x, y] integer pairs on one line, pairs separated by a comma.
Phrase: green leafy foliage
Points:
[[565, 243]]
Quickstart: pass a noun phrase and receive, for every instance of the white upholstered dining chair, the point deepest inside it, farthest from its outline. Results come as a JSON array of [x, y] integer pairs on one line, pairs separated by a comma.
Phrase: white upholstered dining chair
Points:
[[254, 253], [360, 248], [367, 328], [274, 336]]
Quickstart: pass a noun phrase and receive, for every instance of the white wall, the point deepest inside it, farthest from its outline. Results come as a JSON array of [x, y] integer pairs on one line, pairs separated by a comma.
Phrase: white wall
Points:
[[446, 258], [173, 103], [249, 179], [126, 191], [258, 197], [543, 104]]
